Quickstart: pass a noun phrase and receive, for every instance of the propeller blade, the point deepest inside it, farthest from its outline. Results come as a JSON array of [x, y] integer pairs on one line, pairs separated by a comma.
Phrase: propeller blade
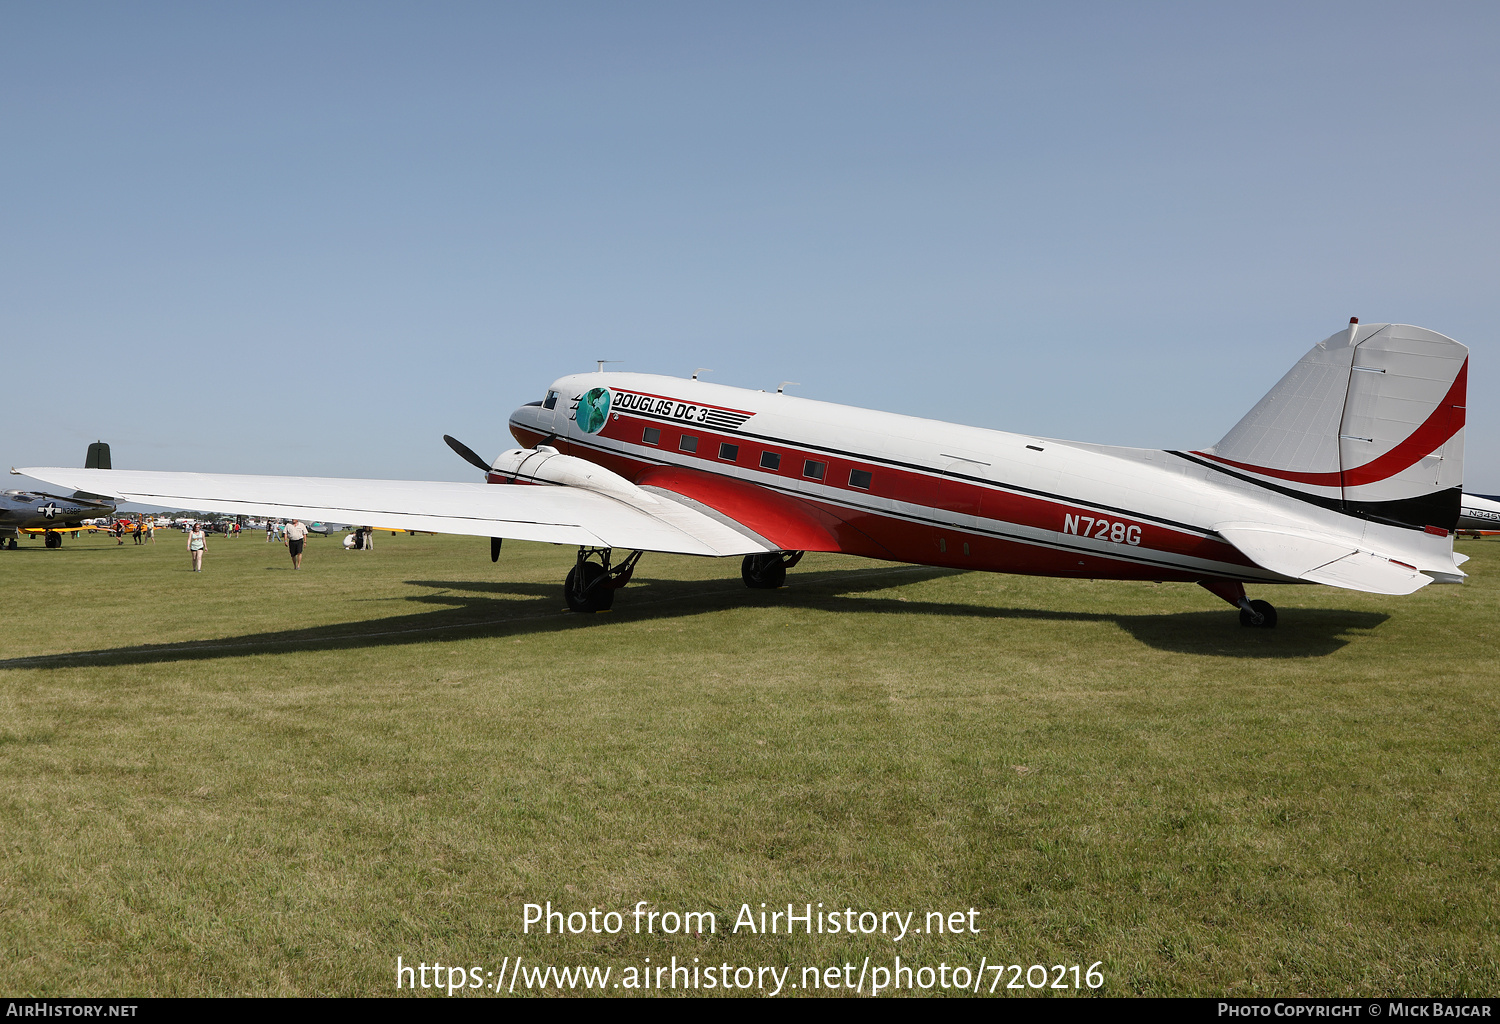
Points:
[[495, 548], [466, 453]]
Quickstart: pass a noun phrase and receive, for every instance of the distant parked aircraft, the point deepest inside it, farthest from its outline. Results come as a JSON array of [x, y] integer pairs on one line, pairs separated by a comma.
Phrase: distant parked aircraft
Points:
[[1479, 515], [1349, 472], [53, 514]]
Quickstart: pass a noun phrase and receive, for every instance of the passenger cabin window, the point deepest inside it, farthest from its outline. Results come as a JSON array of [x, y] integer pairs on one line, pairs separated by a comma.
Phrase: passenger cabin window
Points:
[[859, 478], [551, 400], [813, 470], [729, 452], [651, 435], [689, 443], [770, 460]]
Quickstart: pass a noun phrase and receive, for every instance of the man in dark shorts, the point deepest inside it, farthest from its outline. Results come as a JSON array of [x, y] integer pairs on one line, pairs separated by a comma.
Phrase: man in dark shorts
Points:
[[296, 533]]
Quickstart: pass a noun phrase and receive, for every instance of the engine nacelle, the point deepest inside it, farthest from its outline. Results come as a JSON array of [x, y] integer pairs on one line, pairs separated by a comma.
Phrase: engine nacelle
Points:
[[546, 465]]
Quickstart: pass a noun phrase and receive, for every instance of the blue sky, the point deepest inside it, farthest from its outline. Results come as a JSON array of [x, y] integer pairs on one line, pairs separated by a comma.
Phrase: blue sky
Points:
[[313, 238]]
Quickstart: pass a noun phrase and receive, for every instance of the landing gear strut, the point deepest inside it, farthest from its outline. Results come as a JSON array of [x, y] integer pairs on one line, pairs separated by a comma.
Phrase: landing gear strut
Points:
[[1257, 614], [591, 585], [768, 571]]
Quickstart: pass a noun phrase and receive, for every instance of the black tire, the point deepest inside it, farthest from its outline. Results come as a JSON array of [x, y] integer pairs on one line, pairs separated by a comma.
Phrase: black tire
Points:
[[1267, 615], [52, 540], [763, 572], [598, 597]]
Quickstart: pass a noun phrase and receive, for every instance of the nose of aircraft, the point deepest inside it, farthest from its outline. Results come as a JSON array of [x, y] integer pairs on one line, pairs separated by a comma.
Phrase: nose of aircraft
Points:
[[535, 420]]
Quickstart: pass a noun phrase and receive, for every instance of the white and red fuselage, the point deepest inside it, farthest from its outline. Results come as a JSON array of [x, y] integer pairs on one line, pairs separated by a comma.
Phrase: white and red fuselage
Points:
[[814, 476]]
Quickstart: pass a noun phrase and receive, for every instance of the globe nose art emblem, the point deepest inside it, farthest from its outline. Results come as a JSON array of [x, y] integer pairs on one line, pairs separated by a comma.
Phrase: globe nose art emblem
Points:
[[593, 410]]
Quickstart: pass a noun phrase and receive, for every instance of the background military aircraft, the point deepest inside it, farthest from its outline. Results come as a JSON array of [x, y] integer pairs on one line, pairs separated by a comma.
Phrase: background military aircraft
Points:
[[53, 513]]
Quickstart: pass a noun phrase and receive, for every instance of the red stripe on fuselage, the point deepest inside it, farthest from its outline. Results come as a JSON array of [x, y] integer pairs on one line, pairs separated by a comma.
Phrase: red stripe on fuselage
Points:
[[789, 522], [938, 493], [813, 522]]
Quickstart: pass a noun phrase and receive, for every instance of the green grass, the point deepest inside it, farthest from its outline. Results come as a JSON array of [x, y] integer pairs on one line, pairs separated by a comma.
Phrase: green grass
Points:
[[255, 781]]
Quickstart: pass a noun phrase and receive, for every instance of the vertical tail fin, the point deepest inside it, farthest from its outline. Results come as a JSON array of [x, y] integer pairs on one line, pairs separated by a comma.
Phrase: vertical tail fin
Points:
[[1371, 422], [98, 456]]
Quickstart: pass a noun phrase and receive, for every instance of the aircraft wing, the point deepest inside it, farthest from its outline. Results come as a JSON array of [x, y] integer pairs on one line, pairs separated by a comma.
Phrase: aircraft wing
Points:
[[551, 514]]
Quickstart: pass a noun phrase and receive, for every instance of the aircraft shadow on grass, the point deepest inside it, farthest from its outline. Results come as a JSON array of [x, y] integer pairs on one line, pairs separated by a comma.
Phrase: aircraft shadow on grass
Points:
[[464, 609]]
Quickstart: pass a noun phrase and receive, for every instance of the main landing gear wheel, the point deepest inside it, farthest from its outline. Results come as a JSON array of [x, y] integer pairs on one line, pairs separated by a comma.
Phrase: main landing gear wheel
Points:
[[763, 572], [52, 540], [591, 585], [591, 591], [768, 571], [1258, 614]]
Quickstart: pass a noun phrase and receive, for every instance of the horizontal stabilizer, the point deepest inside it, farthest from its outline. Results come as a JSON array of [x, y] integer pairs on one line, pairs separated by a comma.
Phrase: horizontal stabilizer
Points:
[[1335, 561], [1289, 552], [1370, 573]]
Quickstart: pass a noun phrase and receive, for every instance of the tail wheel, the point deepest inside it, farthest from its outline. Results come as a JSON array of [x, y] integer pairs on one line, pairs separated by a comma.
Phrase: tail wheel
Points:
[[591, 592], [764, 572], [1261, 610]]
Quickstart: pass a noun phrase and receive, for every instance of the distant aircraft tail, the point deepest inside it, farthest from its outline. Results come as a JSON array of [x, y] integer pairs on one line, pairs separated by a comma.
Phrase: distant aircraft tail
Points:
[[1370, 422], [98, 456]]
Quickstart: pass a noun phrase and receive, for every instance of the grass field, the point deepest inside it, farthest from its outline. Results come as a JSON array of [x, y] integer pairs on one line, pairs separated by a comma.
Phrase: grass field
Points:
[[255, 781]]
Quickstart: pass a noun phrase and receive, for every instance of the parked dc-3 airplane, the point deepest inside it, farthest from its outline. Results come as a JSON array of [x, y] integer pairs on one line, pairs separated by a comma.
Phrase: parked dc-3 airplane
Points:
[[1347, 473]]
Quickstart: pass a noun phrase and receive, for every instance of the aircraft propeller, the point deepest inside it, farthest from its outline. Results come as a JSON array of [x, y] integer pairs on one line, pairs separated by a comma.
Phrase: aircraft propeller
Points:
[[467, 454]]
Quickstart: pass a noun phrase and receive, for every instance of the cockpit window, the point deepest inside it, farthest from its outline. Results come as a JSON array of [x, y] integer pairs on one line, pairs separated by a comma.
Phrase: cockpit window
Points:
[[551, 400]]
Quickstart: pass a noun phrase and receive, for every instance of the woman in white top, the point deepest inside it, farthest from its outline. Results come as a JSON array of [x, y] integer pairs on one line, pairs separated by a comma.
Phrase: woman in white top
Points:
[[197, 541]]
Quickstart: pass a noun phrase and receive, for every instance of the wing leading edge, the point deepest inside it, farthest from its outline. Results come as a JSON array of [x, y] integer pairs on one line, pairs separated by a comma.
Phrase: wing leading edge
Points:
[[550, 514]]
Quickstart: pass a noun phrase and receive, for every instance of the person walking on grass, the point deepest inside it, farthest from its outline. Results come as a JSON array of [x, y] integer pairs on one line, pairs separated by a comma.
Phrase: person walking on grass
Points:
[[197, 541], [296, 533]]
